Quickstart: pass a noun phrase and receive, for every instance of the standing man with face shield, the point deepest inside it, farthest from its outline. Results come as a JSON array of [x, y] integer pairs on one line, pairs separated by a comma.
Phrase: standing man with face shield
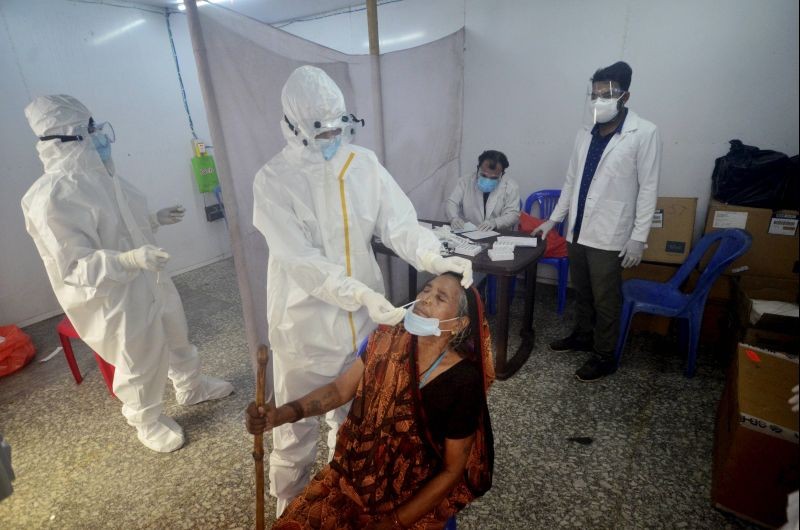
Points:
[[486, 198], [610, 196], [95, 236], [318, 204]]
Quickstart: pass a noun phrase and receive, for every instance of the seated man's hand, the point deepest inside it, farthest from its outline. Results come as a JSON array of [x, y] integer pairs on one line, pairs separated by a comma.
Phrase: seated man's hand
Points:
[[487, 225], [257, 419], [457, 223]]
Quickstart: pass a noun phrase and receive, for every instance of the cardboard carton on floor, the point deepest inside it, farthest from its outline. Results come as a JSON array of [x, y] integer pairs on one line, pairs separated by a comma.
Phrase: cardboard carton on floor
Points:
[[670, 239], [776, 244], [756, 439]]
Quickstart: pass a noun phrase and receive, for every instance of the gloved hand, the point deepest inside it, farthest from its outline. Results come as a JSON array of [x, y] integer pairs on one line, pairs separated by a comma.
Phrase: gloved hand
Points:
[[381, 310], [794, 401], [171, 215], [147, 257], [631, 253], [487, 225], [436, 264], [544, 229], [457, 223]]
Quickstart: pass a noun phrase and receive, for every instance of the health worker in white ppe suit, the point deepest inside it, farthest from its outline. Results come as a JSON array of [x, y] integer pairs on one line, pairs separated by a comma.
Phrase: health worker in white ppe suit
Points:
[[318, 204], [95, 236]]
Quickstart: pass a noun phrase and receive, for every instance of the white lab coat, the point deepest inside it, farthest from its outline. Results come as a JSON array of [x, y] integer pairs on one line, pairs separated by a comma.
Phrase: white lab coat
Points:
[[622, 196], [502, 206], [318, 218], [74, 214]]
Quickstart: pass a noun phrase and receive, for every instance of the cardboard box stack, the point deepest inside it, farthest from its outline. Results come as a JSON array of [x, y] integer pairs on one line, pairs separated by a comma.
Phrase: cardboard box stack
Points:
[[756, 436], [670, 239], [756, 439]]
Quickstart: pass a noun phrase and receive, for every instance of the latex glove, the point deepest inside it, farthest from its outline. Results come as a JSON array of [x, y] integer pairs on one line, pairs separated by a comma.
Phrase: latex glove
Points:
[[171, 215], [793, 401], [436, 264], [544, 229], [457, 223], [381, 310], [631, 253], [147, 257], [487, 225]]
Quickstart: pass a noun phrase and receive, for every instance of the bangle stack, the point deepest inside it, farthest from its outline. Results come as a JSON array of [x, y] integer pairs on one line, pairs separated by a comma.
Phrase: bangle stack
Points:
[[298, 410]]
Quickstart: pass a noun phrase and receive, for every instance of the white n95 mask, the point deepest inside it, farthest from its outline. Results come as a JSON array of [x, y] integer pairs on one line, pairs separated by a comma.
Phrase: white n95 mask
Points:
[[422, 326], [605, 109]]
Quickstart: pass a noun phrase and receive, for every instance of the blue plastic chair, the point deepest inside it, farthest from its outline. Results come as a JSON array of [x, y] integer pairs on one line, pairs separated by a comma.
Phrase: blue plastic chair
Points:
[[547, 200], [667, 299]]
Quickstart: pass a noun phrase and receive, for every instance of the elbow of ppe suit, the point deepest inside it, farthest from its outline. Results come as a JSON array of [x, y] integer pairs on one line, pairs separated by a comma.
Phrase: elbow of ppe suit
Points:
[[100, 270]]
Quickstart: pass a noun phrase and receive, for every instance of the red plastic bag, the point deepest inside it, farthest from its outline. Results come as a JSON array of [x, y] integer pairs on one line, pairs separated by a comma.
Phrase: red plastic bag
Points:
[[15, 351], [556, 244]]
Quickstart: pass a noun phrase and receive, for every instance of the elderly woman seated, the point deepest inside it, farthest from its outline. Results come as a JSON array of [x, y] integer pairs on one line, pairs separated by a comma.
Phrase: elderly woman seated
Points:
[[417, 445]]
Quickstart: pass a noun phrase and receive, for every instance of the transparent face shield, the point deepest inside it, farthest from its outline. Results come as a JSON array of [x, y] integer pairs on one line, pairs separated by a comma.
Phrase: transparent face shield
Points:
[[346, 125], [602, 102]]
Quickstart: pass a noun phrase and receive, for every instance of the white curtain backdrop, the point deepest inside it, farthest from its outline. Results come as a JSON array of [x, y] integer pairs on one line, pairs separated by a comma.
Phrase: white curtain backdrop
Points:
[[243, 65]]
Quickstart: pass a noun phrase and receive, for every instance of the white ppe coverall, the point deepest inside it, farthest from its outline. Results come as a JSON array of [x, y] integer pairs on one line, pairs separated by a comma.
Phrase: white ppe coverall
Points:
[[82, 217], [318, 218], [502, 205]]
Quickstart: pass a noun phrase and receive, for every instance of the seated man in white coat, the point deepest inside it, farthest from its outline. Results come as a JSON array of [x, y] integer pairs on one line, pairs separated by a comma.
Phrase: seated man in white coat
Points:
[[610, 196], [485, 197], [95, 236]]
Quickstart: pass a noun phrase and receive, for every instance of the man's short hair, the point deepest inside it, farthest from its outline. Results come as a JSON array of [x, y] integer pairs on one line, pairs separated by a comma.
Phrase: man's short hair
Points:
[[620, 72], [494, 158]]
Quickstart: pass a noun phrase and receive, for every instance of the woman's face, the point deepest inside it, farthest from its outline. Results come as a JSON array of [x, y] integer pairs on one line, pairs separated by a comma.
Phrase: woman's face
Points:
[[440, 299]]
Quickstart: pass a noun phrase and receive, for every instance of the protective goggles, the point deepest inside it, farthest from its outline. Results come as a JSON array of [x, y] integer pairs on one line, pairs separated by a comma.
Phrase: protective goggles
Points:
[[92, 128]]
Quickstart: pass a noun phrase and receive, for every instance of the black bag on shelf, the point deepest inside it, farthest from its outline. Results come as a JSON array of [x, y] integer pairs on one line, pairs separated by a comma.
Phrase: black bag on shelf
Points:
[[749, 176]]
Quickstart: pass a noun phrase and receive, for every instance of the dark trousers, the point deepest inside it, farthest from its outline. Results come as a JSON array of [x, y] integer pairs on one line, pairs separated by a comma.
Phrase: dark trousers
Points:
[[597, 279]]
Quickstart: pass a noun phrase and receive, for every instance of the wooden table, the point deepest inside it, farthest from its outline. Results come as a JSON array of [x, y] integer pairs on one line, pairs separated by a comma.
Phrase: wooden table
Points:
[[525, 259]]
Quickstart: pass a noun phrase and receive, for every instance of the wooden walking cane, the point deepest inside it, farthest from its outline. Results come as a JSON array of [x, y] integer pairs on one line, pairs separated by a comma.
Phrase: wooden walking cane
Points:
[[258, 442]]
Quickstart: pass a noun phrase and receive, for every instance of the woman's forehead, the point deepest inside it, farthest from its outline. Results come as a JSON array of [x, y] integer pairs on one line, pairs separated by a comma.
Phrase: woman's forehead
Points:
[[447, 283]]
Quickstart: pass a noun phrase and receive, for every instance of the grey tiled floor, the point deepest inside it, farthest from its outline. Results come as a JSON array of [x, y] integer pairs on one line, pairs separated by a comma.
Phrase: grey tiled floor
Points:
[[79, 465]]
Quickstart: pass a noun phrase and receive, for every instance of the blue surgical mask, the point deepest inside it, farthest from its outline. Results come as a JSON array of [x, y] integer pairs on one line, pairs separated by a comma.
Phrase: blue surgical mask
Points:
[[329, 146], [487, 185], [422, 326], [103, 146]]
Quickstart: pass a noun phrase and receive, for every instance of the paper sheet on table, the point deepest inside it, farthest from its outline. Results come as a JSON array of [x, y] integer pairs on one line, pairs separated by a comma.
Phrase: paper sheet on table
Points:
[[480, 234], [468, 227]]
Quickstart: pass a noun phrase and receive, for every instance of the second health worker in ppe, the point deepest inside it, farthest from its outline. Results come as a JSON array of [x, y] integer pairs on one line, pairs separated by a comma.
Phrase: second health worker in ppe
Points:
[[318, 204], [95, 236], [486, 197]]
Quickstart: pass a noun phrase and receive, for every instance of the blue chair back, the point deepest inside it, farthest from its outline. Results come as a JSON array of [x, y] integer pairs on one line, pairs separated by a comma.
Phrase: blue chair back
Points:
[[547, 200], [733, 242]]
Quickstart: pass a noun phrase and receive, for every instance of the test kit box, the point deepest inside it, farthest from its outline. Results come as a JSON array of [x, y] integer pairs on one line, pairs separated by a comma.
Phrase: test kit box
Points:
[[774, 251], [670, 239], [755, 439]]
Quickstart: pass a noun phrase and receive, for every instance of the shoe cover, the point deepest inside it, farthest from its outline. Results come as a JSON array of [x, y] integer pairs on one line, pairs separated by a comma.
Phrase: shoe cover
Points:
[[163, 435], [207, 388]]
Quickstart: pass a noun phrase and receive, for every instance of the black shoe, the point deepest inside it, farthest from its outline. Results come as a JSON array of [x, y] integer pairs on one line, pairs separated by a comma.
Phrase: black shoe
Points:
[[595, 368], [575, 342]]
